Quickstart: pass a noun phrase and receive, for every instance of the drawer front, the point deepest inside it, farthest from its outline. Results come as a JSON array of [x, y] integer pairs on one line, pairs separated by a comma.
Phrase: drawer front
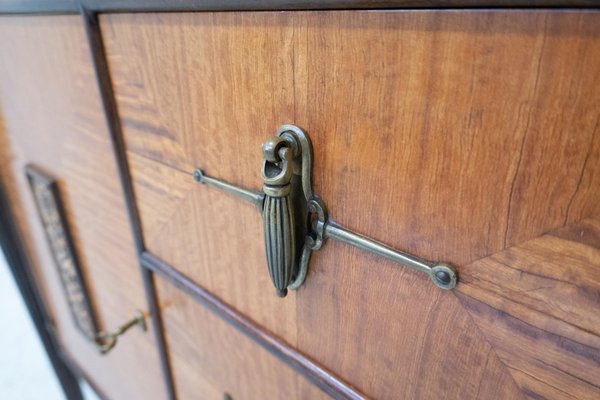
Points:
[[51, 117], [456, 136], [210, 359]]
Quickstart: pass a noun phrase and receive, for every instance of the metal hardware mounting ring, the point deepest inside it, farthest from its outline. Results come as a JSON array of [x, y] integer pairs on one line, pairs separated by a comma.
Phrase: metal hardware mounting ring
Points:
[[106, 341]]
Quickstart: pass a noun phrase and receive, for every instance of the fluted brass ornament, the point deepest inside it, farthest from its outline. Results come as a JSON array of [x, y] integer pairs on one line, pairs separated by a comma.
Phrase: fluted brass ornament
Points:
[[278, 213]]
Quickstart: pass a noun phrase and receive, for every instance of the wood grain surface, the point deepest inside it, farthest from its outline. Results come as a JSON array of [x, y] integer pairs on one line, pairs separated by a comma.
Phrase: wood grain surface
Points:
[[211, 358], [52, 117], [445, 115], [451, 135], [537, 303], [181, 219], [328, 381]]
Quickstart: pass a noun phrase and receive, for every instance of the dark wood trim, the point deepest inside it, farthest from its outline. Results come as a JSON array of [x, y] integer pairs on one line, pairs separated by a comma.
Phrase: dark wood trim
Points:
[[157, 327], [105, 88], [39, 7], [319, 376], [19, 264], [128, 6], [283, 5]]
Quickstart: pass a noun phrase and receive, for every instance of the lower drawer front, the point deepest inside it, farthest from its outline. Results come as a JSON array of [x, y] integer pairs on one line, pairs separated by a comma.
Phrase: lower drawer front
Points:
[[450, 135], [210, 358]]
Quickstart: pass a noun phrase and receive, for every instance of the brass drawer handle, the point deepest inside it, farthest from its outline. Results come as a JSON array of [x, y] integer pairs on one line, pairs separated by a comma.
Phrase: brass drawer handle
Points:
[[278, 212], [296, 221]]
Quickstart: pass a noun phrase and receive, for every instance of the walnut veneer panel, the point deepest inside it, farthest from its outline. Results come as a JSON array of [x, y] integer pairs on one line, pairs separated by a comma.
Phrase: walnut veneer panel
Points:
[[437, 132], [405, 327], [225, 57], [209, 357], [473, 129], [537, 304], [51, 116], [461, 133]]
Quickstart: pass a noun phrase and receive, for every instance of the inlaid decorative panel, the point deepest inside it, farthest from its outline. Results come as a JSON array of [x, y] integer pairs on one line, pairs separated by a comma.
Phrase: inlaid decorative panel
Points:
[[47, 198]]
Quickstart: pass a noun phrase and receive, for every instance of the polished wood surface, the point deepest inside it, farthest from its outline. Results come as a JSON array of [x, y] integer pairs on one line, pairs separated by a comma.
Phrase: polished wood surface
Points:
[[198, 254], [328, 381], [537, 303], [51, 116], [164, 216], [451, 135], [211, 358], [455, 125], [469, 137]]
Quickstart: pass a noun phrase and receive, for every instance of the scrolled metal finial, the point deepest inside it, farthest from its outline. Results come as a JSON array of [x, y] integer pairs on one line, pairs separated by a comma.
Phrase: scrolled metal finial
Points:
[[271, 148]]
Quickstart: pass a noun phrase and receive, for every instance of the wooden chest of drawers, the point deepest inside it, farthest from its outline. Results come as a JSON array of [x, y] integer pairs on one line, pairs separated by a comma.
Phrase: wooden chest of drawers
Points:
[[464, 135]]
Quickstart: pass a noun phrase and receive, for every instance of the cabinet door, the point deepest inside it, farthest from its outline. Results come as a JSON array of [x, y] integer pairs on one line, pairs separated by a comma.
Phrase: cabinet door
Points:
[[51, 117], [454, 135]]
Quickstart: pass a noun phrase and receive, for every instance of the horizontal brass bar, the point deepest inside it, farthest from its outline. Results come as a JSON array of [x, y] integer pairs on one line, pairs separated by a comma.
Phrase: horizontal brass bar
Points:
[[443, 275], [256, 198], [338, 232]]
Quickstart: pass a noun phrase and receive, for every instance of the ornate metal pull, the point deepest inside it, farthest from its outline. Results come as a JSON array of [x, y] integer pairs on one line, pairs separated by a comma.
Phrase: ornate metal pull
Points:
[[106, 341], [278, 212], [296, 220]]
